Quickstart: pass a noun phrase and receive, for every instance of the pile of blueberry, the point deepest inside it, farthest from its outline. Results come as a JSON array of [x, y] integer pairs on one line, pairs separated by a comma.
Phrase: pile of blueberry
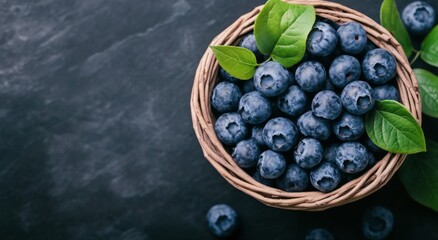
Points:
[[303, 127]]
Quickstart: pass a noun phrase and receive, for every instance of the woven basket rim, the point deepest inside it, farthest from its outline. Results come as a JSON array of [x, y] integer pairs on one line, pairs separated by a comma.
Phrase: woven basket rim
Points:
[[203, 119]]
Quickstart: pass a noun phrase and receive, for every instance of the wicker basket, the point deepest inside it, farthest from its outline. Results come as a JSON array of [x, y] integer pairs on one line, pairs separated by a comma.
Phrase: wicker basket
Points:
[[203, 119]]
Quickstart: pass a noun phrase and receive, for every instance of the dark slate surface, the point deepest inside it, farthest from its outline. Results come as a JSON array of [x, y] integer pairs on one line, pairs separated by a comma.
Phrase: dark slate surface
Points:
[[96, 139]]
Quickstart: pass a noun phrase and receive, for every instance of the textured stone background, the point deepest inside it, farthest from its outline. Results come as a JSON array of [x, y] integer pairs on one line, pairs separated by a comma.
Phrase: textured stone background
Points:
[[96, 139]]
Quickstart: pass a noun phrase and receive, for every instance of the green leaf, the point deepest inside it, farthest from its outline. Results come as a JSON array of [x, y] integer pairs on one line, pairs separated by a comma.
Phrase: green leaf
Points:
[[392, 127], [419, 175], [237, 61], [265, 41], [429, 47], [281, 29], [390, 19], [428, 83]]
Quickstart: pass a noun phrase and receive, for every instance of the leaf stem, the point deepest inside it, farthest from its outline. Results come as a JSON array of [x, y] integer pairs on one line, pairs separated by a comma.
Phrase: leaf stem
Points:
[[417, 54]]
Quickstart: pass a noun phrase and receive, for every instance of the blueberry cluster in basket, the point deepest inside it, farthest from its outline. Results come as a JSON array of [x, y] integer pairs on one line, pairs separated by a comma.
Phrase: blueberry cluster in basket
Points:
[[302, 127]]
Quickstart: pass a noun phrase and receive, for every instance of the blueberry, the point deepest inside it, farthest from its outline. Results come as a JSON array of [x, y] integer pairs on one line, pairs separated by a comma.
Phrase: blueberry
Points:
[[344, 70], [386, 91], [333, 24], [310, 76], [222, 220], [370, 46], [292, 79], [271, 164], [262, 180], [319, 234], [249, 42], [230, 128], [227, 77], [379, 66], [326, 177], [276, 112], [247, 86], [225, 97], [254, 108], [322, 40], [293, 102], [246, 153], [371, 160], [257, 135], [419, 17], [349, 127], [352, 37], [330, 152], [308, 153], [329, 85], [313, 126], [271, 79], [280, 134], [326, 104], [294, 179], [351, 157], [357, 97], [377, 223], [371, 146]]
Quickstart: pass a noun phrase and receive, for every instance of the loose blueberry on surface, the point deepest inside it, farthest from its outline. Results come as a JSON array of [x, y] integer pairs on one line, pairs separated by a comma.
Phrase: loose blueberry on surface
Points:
[[254, 108], [257, 135], [222, 220], [379, 66], [349, 127], [246, 153], [247, 86], [312, 126], [319, 234], [268, 182], [225, 97], [357, 97], [230, 128], [326, 104], [386, 91], [294, 179], [280, 134], [326, 177], [352, 37], [271, 79], [322, 40], [271, 164], [377, 223], [293, 102], [249, 42], [344, 70], [227, 77], [310, 76], [419, 17], [308, 153], [351, 157]]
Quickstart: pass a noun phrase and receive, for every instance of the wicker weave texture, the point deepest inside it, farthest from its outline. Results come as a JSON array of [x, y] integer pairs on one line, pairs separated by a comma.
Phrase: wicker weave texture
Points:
[[217, 155]]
